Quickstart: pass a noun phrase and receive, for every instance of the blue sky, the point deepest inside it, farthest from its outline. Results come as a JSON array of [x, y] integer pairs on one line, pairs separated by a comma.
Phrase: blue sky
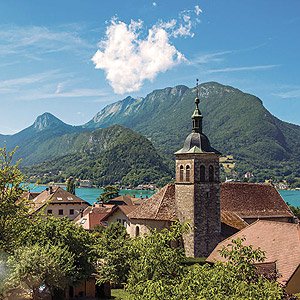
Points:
[[71, 58]]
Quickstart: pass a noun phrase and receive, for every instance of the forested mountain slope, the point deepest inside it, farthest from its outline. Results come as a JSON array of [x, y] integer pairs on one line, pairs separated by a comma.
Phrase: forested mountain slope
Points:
[[237, 123]]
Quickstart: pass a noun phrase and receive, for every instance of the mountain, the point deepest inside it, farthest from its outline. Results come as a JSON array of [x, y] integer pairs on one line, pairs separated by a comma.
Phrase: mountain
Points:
[[35, 139], [237, 123], [105, 156]]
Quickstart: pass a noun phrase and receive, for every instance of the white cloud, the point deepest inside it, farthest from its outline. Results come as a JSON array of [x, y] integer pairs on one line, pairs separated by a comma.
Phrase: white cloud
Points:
[[288, 94], [198, 10], [128, 56], [210, 57], [237, 69], [27, 80], [34, 41], [154, 3], [128, 59]]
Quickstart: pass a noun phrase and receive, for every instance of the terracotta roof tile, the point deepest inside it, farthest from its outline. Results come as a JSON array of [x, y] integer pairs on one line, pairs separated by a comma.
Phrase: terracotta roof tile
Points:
[[57, 196], [279, 240], [94, 215], [161, 206], [123, 198], [253, 200], [238, 201]]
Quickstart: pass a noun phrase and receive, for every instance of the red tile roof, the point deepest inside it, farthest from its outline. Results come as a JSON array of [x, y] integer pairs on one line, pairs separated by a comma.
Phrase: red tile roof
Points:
[[57, 196], [279, 240], [161, 206], [123, 198], [238, 200], [94, 215], [253, 200]]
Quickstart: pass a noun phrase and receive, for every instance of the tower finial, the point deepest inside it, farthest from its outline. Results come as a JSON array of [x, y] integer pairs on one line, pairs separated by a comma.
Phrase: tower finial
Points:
[[197, 100], [197, 116]]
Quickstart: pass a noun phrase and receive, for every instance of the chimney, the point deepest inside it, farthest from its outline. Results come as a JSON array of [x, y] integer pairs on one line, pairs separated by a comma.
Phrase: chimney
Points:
[[81, 212], [50, 190]]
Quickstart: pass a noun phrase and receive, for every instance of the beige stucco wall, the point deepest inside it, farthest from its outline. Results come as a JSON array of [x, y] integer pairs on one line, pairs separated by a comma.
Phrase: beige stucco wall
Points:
[[132, 224], [118, 216], [66, 209], [145, 226]]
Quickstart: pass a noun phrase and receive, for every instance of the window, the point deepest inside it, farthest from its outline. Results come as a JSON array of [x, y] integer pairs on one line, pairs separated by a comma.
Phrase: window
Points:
[[187, 173], [211, 173], [181, 173], [70, 198], [58, 198], [137, 231], [202, 173], [71, 211], [124, 223], [60, 212], [49, 211], [119, 220], [83, 221]]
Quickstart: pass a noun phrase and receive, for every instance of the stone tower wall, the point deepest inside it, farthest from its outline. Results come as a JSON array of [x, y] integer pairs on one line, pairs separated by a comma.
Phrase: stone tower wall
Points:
[[199, 203]]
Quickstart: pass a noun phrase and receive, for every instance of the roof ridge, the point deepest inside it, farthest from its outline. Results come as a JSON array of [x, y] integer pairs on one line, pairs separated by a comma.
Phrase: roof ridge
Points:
[[161, 200]]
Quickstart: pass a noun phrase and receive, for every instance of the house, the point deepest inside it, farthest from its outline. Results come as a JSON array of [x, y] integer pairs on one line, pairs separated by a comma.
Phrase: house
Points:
[[59, 203], [115, 210], [94, 215], [241, 204], [85, 183], [281, 243], [120, 215]]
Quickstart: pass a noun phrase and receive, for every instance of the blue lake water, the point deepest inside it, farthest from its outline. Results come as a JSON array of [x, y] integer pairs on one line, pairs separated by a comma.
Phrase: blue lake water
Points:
[[292, 197], [91, 194]]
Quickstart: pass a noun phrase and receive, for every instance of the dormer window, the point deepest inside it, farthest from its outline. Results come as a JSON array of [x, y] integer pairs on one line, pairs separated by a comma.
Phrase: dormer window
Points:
[[187, 173], [181, 171]]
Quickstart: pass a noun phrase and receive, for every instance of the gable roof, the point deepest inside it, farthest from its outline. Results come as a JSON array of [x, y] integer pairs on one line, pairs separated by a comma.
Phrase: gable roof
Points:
[[94, 215], [29, 195], [253, 200], [127, 200], [279, 240], [161, 206], [238, 201], [56, 195]]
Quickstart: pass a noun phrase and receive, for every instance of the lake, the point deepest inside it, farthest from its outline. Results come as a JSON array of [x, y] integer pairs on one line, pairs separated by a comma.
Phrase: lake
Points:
[[91, 194], [291, 196]]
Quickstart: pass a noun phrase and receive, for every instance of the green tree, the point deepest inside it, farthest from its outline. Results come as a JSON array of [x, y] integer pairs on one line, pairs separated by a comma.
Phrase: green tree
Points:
[[38, 271], [237, 278], [156, 265], [113, 252], [295, 210], [157, 272], [50, 230], [71, 185], [109, 192], [13, 209]]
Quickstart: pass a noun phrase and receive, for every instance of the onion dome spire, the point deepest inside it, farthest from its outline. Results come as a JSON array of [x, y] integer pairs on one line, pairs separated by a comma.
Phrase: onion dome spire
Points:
[[197, 116]]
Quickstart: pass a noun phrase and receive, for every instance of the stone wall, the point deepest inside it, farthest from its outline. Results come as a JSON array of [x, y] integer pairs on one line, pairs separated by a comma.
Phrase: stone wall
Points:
[[198, 202]]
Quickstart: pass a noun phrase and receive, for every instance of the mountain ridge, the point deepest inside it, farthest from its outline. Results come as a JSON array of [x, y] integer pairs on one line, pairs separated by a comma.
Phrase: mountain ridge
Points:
[[236, 123]]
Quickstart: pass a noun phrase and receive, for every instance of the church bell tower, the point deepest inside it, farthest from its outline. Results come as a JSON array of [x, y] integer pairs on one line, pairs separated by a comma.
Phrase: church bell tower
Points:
[[197, 189]]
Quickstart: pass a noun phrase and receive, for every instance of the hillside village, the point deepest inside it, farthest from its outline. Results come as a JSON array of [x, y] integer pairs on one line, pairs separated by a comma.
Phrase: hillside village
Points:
[[216, 211]]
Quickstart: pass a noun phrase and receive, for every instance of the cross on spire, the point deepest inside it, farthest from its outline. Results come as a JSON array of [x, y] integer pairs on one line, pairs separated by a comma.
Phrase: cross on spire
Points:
[[197, 116]]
